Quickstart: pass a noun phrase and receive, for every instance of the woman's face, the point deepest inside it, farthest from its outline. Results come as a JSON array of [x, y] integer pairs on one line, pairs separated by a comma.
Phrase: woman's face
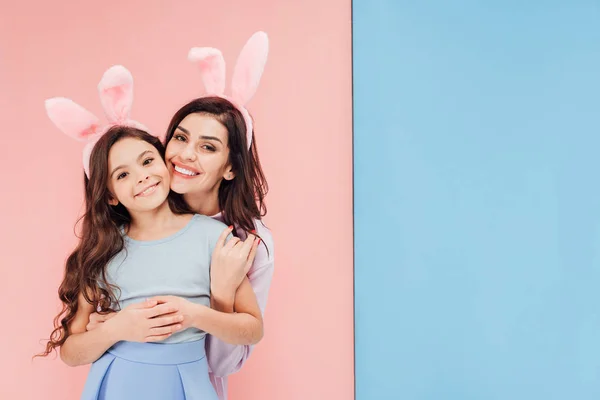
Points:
[[197, 155]]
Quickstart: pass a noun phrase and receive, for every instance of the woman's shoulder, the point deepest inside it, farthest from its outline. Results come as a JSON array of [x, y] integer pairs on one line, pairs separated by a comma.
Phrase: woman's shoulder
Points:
[[265, 253]]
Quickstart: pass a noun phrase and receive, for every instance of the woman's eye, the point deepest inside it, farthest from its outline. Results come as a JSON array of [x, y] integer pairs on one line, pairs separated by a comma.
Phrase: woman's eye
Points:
[[208, 147], [180, 138]]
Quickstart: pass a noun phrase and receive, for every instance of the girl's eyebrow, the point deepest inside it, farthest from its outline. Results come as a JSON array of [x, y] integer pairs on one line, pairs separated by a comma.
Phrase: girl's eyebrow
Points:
[[138, 159]]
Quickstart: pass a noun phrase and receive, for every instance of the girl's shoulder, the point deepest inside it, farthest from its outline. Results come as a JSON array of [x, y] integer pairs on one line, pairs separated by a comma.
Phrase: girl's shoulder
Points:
[[208, 222], [207, 227]]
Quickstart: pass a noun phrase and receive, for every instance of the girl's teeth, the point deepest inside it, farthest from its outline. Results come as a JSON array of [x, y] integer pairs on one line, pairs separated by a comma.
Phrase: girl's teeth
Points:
[[150, 189]]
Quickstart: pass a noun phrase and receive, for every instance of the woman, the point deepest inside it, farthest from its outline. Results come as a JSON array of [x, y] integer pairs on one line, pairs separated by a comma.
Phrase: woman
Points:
[[213, 161]]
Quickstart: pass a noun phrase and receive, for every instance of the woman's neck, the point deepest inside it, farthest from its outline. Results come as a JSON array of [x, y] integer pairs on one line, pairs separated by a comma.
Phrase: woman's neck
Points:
[[203, 203]]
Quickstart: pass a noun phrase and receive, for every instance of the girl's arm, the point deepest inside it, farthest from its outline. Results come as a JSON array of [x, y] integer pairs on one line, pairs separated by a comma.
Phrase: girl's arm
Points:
[[134, 323]]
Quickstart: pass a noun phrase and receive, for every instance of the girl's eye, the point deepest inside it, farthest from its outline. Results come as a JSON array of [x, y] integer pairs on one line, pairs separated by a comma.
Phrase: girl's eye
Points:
[[148, 161], [122, 175]]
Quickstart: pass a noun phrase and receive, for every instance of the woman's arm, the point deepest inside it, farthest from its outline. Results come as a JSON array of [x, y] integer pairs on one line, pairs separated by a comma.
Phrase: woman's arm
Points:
[[134, 323], [226, 359], [243, 327], [83, 348]]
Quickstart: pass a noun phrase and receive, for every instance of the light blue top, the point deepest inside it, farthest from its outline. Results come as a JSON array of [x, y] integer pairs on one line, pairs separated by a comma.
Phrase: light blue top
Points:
[[178, 265]]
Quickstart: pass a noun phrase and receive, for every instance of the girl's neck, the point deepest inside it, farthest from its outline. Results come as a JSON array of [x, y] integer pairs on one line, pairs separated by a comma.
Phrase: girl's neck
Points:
[[156, 224], [204, 203]]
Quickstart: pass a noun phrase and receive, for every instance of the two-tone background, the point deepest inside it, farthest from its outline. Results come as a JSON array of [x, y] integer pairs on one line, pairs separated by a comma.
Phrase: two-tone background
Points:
[[433, 198]]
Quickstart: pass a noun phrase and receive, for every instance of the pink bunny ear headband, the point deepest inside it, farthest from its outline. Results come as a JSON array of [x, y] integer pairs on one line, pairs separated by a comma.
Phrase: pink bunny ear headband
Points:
[[116, 95], [246, 74]]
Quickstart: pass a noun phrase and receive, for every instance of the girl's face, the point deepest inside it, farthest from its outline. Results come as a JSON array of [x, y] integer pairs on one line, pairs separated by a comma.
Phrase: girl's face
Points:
[[198, 155], [137, 176]]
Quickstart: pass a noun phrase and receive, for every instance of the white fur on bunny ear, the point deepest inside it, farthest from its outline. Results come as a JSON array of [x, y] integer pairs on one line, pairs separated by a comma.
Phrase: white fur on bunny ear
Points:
[[72, 119], [87, 151], [116, 93], [249, 67], [211, 63]]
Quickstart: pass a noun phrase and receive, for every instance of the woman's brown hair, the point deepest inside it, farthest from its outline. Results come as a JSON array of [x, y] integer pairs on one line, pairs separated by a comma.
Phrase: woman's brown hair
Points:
[[241, 200]]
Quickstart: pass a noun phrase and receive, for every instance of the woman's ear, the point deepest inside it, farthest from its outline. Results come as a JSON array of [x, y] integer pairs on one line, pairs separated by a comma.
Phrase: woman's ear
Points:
[[229, 174]]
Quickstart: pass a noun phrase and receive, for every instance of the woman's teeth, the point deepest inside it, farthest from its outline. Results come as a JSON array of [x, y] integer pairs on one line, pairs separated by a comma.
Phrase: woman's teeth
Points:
[[185, 171]]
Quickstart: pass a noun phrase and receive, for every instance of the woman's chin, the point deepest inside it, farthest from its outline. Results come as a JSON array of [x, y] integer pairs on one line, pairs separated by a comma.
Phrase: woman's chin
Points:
[[180, 187]]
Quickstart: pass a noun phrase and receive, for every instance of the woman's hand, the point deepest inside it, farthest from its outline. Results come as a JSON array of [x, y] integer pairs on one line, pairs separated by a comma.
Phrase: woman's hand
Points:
[[230, 264], [145, 322], [96, 319]]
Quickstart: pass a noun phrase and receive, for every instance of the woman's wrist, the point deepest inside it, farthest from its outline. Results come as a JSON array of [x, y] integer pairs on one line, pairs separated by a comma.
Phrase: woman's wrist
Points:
[[222, 298], [110, 331]]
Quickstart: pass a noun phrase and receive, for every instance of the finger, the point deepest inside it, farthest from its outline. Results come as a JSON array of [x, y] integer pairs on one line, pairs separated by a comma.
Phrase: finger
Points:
[[165, 330], [101, 317], [95, 317], [150, 339], [161, 309], [166, 320], [223, 237], [149, 303], [162, 299], [246, 247], [231, 243], [109, 316], [251, 256]]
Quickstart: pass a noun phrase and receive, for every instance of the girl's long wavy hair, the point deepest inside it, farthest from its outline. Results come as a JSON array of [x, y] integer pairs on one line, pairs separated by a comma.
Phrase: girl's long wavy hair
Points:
[[100, 237], [241, 200]]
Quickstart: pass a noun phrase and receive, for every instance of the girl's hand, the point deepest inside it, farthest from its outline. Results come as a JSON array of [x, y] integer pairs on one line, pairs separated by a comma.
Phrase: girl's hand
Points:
[[230, 263], [187, 310], [145, 322]]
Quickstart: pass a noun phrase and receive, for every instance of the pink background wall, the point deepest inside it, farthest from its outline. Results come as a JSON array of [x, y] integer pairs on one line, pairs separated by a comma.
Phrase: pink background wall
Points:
[[303, 124]]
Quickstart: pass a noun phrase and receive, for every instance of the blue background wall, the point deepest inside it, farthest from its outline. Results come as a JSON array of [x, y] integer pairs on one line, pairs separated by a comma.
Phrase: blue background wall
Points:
[[477, 199]]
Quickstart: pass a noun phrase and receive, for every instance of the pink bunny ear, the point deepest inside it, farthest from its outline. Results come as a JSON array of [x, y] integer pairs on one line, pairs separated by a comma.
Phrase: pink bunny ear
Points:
[[116, 93], [212, 68], [249, 67], [72, 119], [87, 152]]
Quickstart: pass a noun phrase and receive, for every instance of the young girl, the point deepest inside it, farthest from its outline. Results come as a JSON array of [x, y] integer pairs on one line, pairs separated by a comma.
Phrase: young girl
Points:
[[213, 162], [138, 242]]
